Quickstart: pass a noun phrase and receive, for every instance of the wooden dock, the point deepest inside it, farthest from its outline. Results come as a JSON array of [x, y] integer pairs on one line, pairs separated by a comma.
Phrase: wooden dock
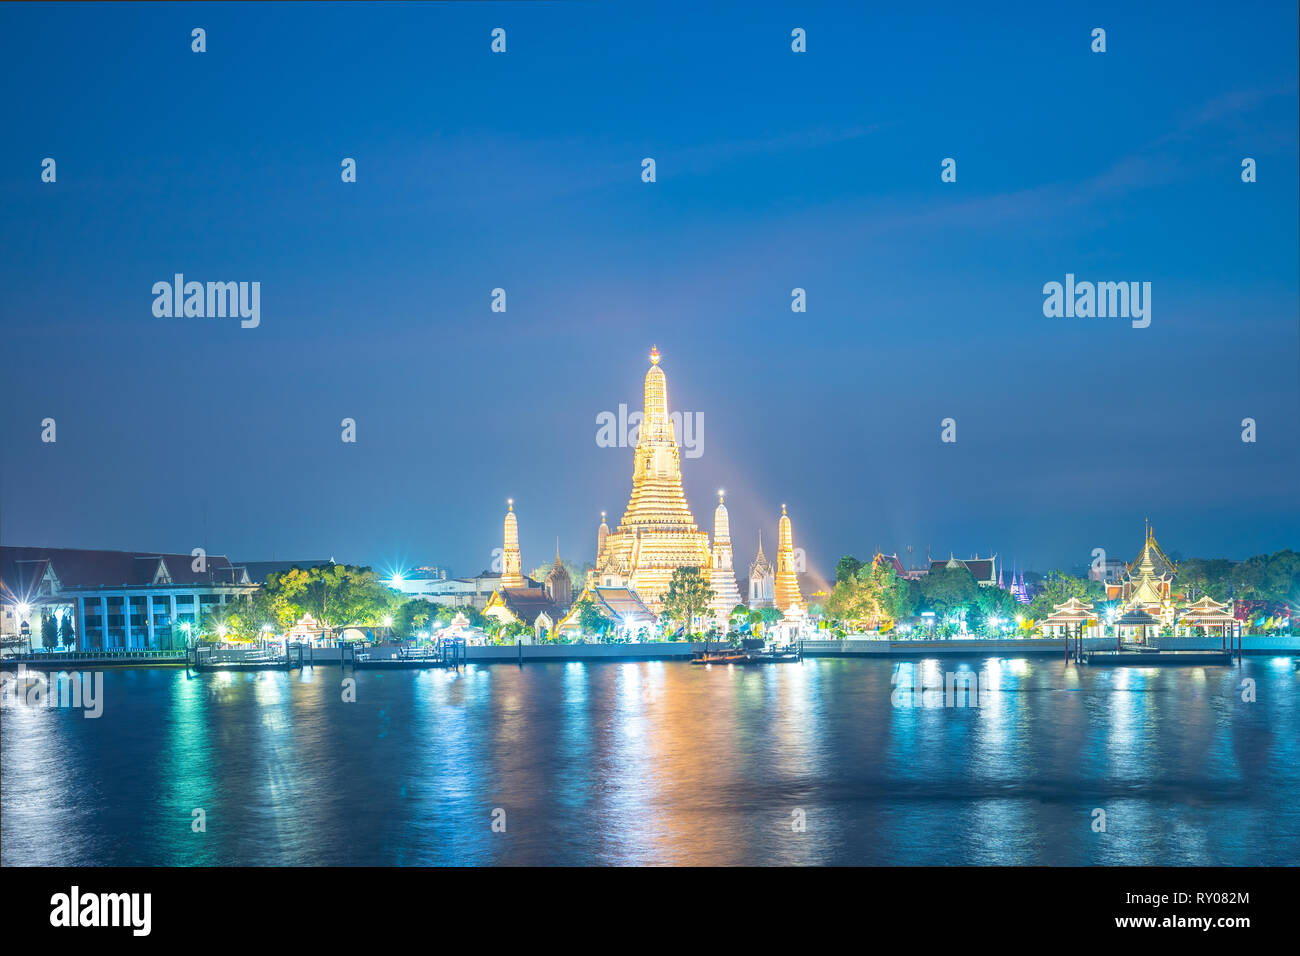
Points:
[[1155, 658]]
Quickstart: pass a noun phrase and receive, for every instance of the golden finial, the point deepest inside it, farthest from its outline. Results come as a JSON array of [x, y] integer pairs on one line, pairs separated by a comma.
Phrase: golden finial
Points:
[[654, 355], [721, 493], [602, 516], [511, 503], [783, 509]]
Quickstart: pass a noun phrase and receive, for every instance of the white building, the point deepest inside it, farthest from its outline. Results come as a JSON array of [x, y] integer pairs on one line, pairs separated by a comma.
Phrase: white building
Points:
[[117, 599], [433, 585]]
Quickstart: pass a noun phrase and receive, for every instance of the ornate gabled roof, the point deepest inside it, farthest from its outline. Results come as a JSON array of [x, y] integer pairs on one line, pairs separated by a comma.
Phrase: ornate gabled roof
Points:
[[558, 570], [1137, 617], [891, 560], [524, 603], [1206, 611], [1152, 555], [1071, 611], [761, 567], [620, 605]]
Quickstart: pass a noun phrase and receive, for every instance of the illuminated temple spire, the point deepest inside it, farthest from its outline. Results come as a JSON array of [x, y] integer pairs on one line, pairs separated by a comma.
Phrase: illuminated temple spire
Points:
[[658, 533], [601, 535], [760, 578], [787, 580], [723, 576], [511, 562]]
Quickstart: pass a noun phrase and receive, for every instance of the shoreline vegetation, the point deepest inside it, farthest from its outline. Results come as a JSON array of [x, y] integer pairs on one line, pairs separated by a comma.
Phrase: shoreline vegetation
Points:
[[868, 599]]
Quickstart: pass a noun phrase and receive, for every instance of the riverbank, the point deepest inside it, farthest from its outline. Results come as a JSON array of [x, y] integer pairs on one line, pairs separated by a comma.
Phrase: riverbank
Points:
[[668, 651]]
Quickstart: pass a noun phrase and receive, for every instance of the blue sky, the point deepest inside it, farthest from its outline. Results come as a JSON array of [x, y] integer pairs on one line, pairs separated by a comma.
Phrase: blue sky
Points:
[[775, 170]]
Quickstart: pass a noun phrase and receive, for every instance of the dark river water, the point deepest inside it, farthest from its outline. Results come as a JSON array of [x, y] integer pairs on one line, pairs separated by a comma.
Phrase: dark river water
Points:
[[662, 763]]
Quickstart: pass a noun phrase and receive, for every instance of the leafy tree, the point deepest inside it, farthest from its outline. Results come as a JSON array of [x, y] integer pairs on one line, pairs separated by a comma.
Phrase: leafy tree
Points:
[[847, 602], [66, 636], [770, 615], [590, 618], [688, 596], [846, 568], [446, 613], [1058, 587], [412, 616], [996, 603], [893, 595], [1198, 577], [510, 631], [49, 630], [945, 589], [340, 596]]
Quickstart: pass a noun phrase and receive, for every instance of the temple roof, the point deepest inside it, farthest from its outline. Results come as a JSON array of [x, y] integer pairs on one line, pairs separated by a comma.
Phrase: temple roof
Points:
[[1152, 554], [22, 569], [1137, 617], [760, 565], [621, 605], [525, 603], [982, 569], [891, 560]]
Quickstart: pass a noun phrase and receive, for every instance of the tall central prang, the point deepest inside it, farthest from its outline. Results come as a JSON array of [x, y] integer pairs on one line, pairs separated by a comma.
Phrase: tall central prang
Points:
[[658, 533]]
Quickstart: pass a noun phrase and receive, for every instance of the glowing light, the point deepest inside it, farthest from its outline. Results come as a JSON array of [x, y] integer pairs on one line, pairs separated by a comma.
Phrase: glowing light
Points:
[[24, 609], [388, 622]]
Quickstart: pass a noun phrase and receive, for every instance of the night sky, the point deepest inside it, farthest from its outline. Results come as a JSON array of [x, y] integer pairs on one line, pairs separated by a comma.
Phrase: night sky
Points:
[[775, 170]]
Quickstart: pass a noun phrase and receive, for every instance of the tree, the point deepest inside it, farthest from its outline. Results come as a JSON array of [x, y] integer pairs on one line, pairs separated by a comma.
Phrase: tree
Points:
[[590, 619], [846, 568], [340, 596], [446, 613], [846, 602], [996, 603], [66, 636], [412, 616], [1198, 577], [945, 590], [893, 595], [49, 630], [1059, 587], [688, 597]]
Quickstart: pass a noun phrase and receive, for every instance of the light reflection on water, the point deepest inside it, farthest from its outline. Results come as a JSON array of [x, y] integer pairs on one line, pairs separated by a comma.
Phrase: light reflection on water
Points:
[[632, 763]]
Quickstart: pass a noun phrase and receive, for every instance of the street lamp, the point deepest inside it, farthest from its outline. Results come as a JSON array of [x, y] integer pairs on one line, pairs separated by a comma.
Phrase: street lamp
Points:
[[24, 627]]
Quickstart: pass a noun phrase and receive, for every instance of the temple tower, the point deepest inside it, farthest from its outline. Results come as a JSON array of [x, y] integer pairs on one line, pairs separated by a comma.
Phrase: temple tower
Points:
[[658, 533], [762, 580], [601, 535], [723, 577], [559, 587], [511, 562], [787, 580]]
